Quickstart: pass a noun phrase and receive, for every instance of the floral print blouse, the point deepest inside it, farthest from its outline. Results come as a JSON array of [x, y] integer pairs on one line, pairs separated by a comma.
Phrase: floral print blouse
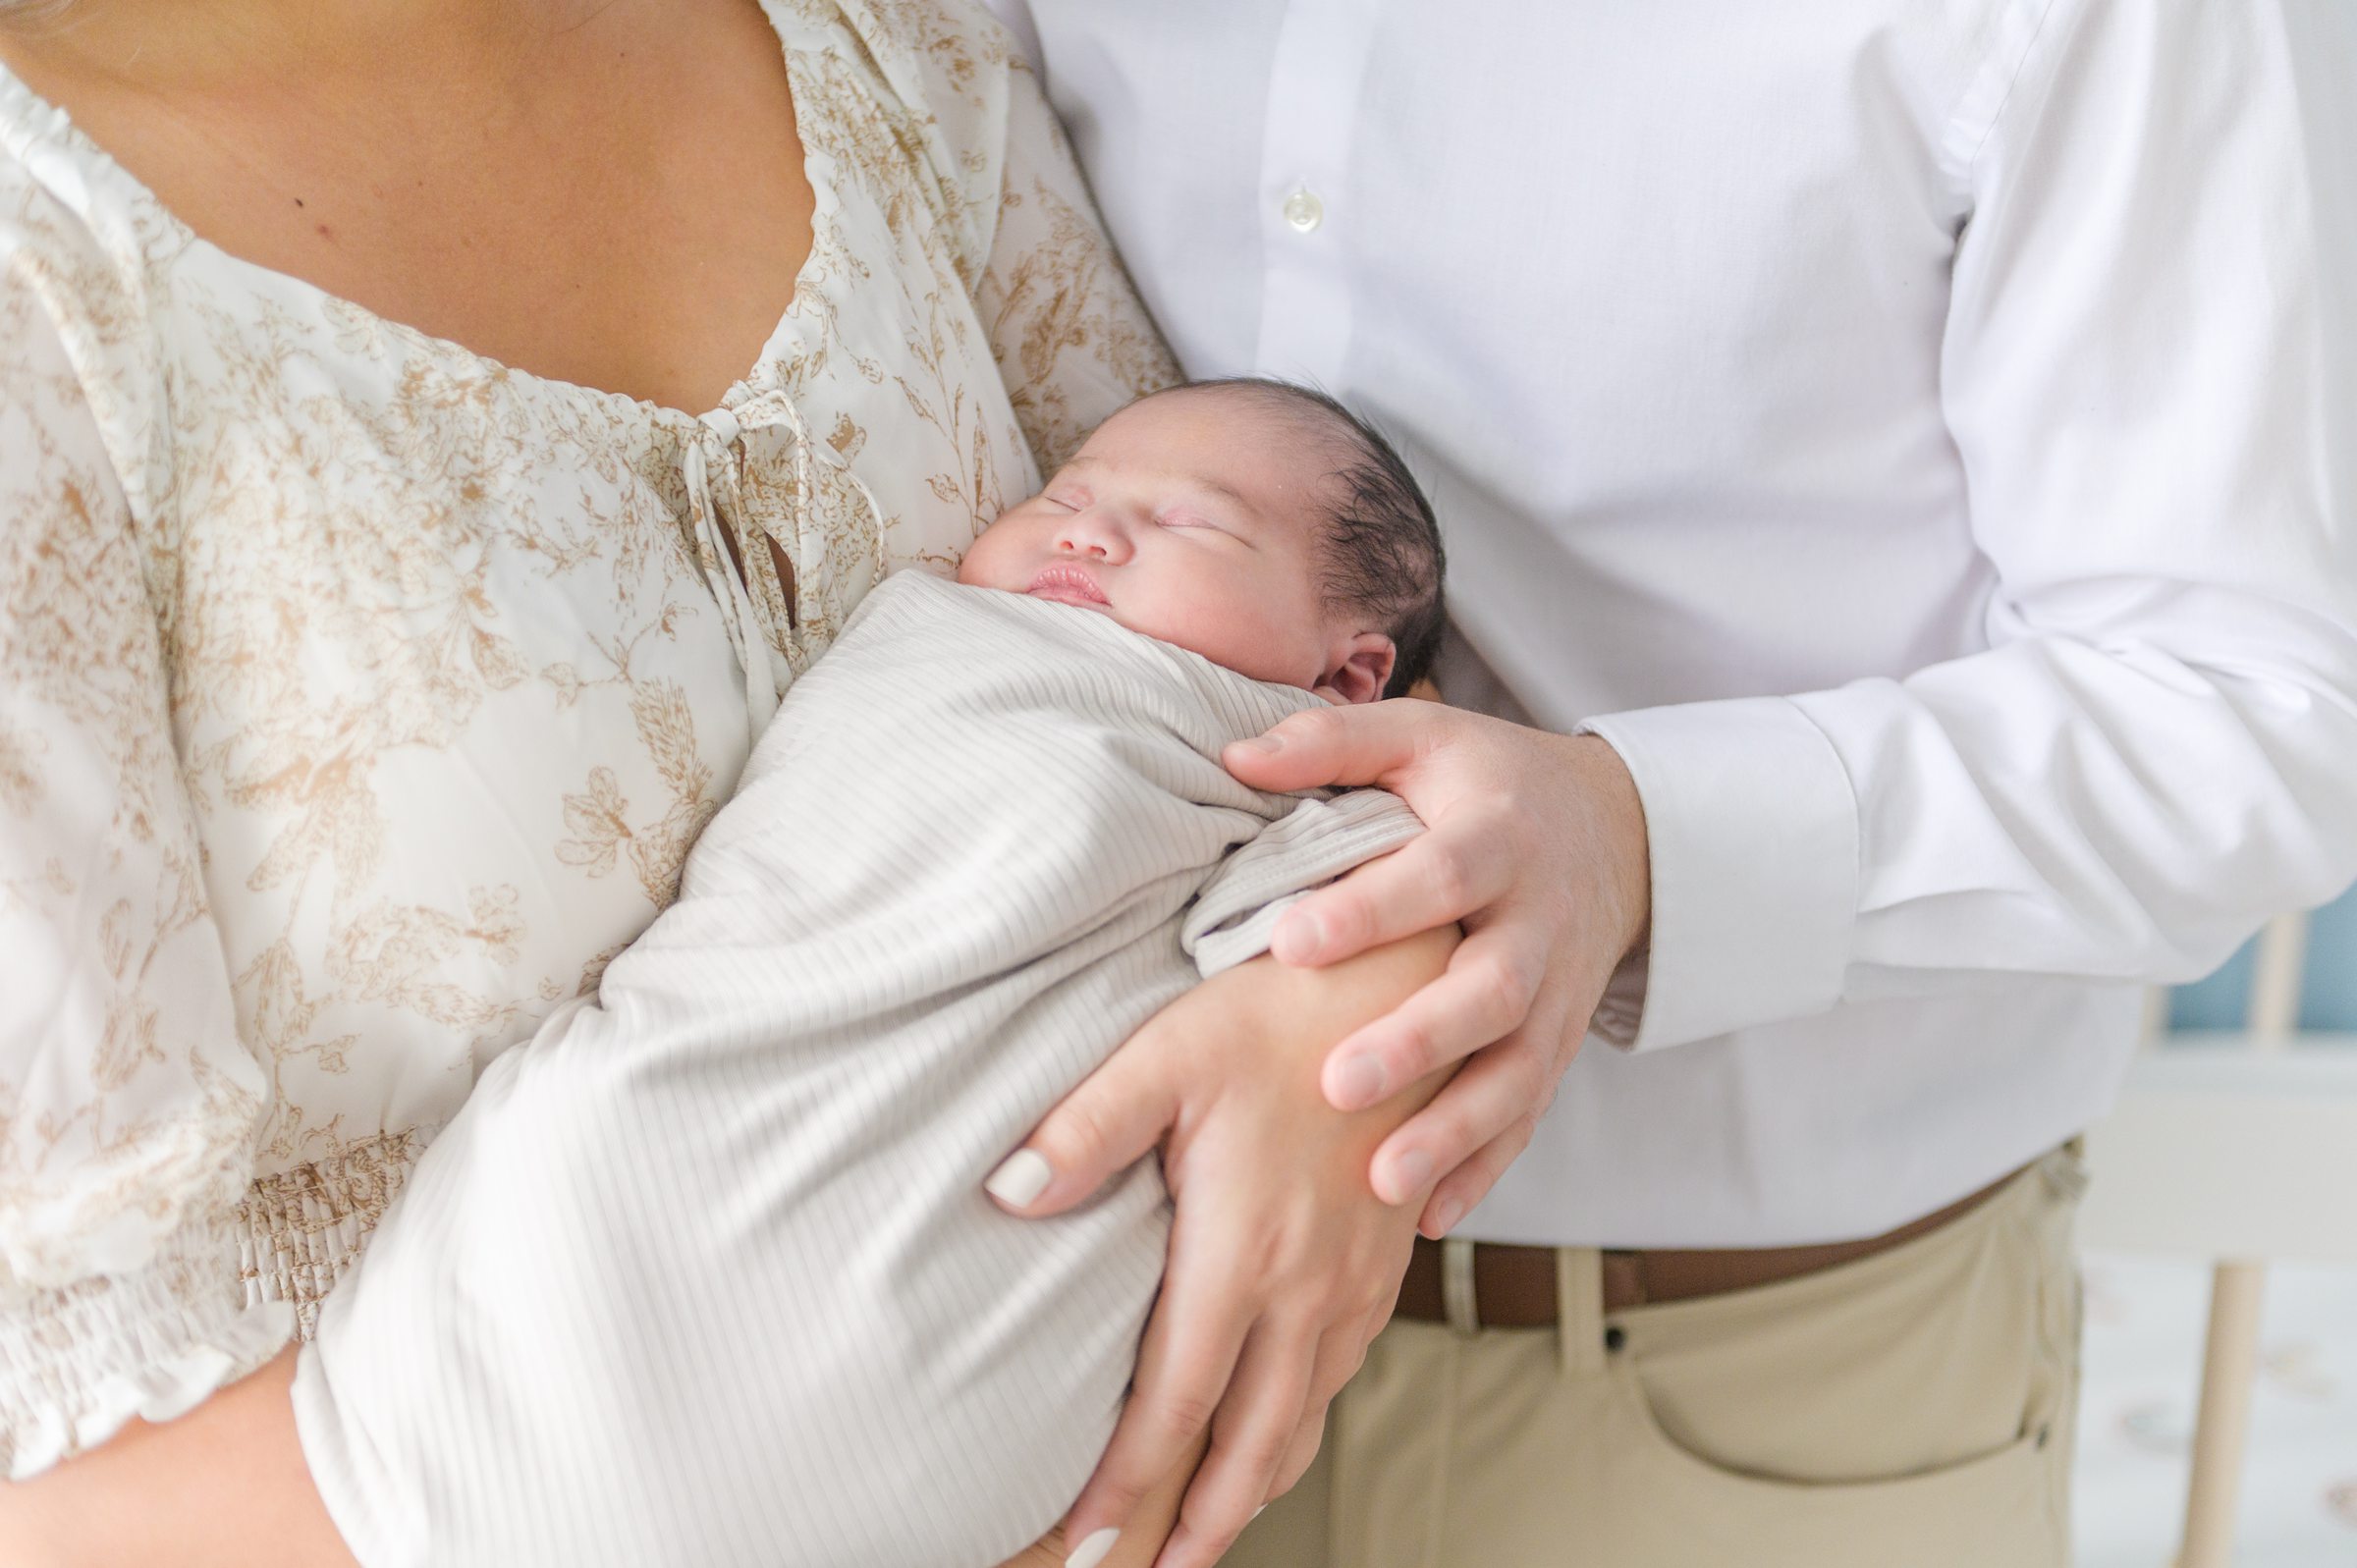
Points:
[[360, 696]]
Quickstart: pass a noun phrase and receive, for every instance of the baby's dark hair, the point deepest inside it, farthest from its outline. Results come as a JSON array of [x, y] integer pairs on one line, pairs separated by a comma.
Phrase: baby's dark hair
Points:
[[1383, 552]]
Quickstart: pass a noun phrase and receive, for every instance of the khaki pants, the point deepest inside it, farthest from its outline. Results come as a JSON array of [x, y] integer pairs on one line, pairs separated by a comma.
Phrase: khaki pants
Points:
[[1913, 1409]]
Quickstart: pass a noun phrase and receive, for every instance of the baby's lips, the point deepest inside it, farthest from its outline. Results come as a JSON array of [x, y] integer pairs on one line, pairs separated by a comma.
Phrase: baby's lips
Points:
[[1065, 580]]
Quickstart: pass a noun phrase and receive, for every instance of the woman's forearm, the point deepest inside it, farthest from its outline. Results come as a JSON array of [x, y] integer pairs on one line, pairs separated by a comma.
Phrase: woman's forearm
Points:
[[223, 1486], [226, 1486]]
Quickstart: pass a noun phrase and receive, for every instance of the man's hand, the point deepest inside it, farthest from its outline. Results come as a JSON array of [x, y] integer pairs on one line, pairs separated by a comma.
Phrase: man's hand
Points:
[[1537, 847]]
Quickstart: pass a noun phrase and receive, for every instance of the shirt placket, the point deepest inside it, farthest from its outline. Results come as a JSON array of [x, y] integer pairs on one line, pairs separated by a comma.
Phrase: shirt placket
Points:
[[1314, 87]]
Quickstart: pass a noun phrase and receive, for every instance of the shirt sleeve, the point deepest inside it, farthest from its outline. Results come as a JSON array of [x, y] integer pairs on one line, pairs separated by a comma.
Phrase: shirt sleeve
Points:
[[1073, 341], [2150, 373], [128, 1102], [1305, 850]]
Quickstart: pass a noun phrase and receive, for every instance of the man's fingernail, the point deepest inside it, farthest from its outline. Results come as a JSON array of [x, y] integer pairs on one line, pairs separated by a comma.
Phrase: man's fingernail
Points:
[[1359, 1082], [1446, 1217], [1409, 1172], [1023, 1176], [1299, 940], [1094, 1551]]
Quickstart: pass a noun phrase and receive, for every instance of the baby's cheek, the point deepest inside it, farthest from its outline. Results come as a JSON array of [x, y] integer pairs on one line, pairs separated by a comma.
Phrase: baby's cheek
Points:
[[991, 560], [1250, 645]]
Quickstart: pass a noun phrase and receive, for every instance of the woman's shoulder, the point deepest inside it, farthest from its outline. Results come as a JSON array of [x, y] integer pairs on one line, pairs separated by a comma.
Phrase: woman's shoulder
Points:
[[71, 221], [77, 310], [58, 248], [944, 57], [78, 269], [950, 66]]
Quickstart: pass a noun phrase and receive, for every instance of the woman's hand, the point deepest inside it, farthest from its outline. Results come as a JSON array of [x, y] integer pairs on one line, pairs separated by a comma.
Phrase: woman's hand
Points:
[[1537, 848], [1141, 1539], [1283, 1266]]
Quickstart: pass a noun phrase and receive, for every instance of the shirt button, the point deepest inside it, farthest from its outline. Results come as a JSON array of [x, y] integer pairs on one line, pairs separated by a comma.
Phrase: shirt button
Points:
[[1304, 211]]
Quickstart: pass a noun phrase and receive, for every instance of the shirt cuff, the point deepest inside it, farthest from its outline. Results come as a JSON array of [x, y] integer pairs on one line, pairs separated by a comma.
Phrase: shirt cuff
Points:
[[1753, 829]]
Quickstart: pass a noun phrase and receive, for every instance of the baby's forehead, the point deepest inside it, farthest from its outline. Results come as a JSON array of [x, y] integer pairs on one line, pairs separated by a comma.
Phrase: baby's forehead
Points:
[[1234, 440]]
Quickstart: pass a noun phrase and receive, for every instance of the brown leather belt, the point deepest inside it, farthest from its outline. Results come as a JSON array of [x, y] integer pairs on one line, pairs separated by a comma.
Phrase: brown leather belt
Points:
[[1513, 1288]]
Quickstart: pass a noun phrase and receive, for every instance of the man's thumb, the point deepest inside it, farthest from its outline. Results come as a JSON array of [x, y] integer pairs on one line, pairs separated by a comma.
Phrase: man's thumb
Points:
[[1308, 751]]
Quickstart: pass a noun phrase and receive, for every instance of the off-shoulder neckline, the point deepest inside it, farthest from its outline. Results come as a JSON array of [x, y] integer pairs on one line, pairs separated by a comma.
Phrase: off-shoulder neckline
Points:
[[35, 119]]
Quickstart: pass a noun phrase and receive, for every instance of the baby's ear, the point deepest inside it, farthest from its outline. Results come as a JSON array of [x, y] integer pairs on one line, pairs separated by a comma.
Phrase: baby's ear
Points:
[[1362, 671]]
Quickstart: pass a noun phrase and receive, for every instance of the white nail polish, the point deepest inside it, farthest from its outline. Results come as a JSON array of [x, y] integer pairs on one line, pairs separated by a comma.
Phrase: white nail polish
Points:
[[1096, 1548], [1023, 1176]]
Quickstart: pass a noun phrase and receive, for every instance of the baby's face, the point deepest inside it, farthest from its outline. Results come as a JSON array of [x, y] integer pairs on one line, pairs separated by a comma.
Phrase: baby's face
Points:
[[1196, 517]]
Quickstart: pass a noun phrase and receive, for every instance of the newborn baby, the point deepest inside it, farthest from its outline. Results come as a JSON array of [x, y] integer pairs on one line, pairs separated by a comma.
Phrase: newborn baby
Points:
[[735, 1207]]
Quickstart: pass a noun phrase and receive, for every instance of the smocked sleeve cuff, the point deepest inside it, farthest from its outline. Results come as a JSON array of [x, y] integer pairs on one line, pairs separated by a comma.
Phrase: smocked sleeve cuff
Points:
[[1754, 834], [78, 1362]]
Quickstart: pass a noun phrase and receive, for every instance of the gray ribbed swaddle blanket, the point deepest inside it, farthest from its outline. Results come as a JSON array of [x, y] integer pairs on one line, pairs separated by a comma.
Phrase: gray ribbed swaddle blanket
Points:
[[703, 1274]]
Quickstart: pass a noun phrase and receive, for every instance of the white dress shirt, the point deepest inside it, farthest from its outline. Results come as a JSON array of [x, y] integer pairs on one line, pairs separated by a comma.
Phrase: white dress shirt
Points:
[[1921, 438]]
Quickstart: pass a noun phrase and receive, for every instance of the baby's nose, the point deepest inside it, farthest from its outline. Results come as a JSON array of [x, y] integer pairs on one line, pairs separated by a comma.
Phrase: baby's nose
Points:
[[1093, 538]]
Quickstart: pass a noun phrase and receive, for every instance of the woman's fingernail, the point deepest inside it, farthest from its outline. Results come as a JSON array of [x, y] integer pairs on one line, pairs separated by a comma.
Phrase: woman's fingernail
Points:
[[1359, 1082], [1094, 1551], [1263, 742], [1257, 1512], [1409, 1172], [1446, 1217], [1023, 1176]]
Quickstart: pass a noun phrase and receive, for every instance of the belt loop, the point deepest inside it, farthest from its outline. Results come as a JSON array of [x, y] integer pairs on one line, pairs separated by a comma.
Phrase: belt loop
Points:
[[1457, 1302], [1579, 1308], [2065, 1170]]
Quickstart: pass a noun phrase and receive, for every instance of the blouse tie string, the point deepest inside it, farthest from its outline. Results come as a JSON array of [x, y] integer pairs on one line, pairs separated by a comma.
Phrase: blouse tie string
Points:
[[727, 504], [713, 448]]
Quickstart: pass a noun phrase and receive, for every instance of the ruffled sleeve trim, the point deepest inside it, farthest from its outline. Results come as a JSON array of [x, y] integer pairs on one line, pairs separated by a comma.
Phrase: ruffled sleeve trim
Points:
[[80, 1362]]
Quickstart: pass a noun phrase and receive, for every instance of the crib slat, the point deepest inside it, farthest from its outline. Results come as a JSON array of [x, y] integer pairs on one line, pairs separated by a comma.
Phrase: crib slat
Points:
[[2238, 1284], [2229, 1370], [2274, 1011]]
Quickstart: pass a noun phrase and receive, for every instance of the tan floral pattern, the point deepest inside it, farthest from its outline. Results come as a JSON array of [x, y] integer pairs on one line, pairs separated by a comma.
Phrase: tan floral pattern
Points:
[[360, 697]]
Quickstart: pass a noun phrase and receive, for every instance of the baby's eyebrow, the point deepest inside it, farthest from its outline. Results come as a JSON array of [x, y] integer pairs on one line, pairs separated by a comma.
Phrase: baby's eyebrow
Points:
[[1224, 492], [1199, 481]]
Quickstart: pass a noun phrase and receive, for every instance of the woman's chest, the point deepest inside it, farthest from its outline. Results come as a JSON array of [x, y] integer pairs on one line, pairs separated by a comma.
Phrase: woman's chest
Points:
[[452, 688], [451, 697], [615, 203]]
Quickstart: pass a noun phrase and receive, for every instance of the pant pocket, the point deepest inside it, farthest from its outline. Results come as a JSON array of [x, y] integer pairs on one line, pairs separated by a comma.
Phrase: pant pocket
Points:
[[1909, 1409], [1993, 1510]]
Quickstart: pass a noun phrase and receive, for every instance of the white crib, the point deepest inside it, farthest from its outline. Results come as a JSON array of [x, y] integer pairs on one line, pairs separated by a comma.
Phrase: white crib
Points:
[[2240, 1150]]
